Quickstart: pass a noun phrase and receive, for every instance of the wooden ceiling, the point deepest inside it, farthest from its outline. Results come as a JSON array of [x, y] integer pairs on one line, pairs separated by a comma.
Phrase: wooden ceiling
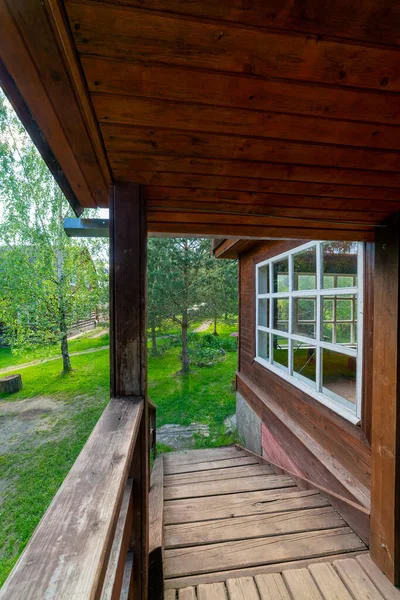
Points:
[[243, 118]]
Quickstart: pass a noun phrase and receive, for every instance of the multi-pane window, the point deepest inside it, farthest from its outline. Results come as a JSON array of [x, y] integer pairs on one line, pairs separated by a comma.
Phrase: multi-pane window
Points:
[[309, 307]]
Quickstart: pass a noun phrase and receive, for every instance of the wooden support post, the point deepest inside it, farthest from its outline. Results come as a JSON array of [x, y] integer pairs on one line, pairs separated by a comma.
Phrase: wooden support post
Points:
[[128, 348], [385, 488]]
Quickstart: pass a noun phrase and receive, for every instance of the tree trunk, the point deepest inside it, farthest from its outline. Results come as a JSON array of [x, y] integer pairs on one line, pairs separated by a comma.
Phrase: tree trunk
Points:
[[215, 332], [185, 351], [153, 340], [61, 312]]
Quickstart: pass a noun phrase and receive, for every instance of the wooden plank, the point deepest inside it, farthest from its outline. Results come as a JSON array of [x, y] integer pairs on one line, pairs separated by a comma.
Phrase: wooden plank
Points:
[[150, 112], [123, 139], [150, 80], [213, 591], [116, 564], [388, 591], [128, 348], [272, 587], [67, 554], [250, 503], [253, 526], [385, 491], [242, 588], [122, 32], [207, 454], [218, 475], [246, 553], [177, 468], [215, 576], [329, 583], [138, 163], [338, 18], [170, 595], [356, 580], [156, 531], [301, 585], [188, 593], [229, 486]]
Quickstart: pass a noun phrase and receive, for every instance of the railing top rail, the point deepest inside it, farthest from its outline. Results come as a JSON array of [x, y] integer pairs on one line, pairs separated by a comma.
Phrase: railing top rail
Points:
[[68, 553]]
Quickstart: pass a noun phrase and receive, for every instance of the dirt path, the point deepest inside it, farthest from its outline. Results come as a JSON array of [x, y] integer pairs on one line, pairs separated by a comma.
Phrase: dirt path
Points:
[[203, 327], [41, 361]]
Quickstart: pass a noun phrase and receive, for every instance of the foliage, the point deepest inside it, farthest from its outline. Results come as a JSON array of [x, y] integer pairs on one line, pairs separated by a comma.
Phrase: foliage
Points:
[[221, 292], [209, 348], [47, 280]]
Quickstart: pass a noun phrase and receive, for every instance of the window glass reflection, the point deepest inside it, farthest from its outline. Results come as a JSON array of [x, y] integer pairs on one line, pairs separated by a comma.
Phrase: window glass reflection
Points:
[[263, 312], [281, 314], [281, 276], [305, 270], [280, 351], [263, 344], [339, 324], [339, 262], [339, 374], [305, 361], [263, 280], [305, 316]]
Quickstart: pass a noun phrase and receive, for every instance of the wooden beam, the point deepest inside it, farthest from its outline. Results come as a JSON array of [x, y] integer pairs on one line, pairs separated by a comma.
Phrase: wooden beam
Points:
[[128, 348], [385, 485], [156, 541]]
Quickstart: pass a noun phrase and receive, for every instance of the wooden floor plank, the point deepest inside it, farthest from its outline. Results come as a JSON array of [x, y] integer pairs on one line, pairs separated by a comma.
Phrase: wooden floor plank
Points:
[[246, 553], [301, 585], [248, 503], [169, 594], [356, 580], [242, 588], [195, 456], [212, 591], [328, 582], [253, 526], [218, 474], [175, 468], [188, 593], [272, 587], [379, 579], [216, 576], [228, 486]]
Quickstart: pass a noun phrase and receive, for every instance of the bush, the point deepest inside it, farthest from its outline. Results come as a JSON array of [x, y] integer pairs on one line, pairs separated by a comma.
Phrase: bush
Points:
[[207, 349]]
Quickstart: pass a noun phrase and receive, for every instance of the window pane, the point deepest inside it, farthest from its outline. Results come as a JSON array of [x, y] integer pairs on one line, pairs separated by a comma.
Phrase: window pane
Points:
[[281, 314], [305, 270], [343, 333], [281, 276], [263, 345], [305, 361], [263, 312], [344, 309], [339, 374], [339, 314], [304, 318], [280, 350], [340, 262], [263, 280]]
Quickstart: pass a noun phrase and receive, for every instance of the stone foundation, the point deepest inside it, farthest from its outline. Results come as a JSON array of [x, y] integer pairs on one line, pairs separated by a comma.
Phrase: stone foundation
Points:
[[248, 424]]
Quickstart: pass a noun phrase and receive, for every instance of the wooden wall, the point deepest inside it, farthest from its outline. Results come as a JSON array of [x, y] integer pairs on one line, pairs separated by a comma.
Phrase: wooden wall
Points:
[[324, 446]]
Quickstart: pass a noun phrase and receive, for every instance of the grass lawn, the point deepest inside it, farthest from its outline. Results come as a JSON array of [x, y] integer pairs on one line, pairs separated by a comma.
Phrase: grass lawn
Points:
[[38, 446]]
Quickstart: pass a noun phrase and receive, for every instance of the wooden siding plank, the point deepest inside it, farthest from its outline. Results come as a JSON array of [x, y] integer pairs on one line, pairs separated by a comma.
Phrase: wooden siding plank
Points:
[[150, 80], [388, 591], [213, 591], [218, 475], [272, 587], [67, 554], [178, 582], [242, 588], [329, 583], [169, 594], [176, 469], [121, 32], [150, 112], [188, 593], [229, 486], [246, 553], [337, 19], [253, 526], [301, 585], [123, 139], [356, 580]]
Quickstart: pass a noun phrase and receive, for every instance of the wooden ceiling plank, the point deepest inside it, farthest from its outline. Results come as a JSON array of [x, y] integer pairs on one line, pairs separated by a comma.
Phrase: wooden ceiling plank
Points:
[[372, 22], [120, 32], [150, 112], [132, 165], [43, 45], [214, 185], [167, 82], [17, 60]]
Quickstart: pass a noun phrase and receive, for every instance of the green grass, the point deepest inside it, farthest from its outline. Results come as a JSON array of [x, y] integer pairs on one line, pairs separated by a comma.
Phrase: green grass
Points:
[[34, 470]]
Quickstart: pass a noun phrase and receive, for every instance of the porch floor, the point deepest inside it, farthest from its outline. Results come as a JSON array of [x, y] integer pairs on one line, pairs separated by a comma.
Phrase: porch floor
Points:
[[234, 529]]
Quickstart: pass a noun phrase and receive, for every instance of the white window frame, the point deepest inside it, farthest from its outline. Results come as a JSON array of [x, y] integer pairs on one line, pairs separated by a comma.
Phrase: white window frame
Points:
[[333, 401]]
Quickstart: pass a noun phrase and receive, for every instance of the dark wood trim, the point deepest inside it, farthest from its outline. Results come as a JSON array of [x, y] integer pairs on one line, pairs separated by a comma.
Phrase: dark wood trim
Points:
[[232, 248], [385, 487], [368, 340], [156, 541], [128, 349]]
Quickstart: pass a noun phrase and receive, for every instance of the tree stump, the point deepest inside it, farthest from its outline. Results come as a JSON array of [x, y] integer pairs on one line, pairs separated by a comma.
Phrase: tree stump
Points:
[[10, 384]]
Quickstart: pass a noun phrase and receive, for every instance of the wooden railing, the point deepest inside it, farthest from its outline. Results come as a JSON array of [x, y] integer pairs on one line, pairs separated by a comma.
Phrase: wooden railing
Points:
[[81, 547], [153, 427]]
